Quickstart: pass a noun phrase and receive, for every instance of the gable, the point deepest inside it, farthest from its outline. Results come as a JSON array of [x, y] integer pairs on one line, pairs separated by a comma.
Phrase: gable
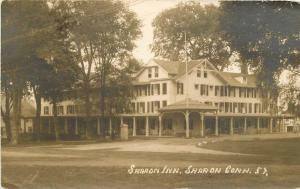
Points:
[[142, 75]]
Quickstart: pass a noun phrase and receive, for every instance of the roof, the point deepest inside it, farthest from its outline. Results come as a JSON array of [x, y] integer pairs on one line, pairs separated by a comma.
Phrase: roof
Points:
[[177, 69], [230, 79], [170, 66], [187, 105]]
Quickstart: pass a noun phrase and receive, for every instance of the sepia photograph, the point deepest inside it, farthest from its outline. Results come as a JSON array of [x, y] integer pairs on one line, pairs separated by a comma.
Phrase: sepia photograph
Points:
[[150, 94]]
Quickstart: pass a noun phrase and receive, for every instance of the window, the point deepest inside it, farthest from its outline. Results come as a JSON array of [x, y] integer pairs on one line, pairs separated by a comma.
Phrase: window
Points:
[[222, 108], [70, 109], [60, 110], [202, 90], [179, 88], [226, 106], [221, 91], [46, 110], [141, 107], [164, 88], [239, 108], [164, 103], [243, 108], [149, 72], [235, 110], [152, 91], [217, 105], [216, 90], [198, 72], [230, 107], [148, 90], [205, 74], [133, 107], [250, 108], [148, 106], [152, 106], [196, 86], [156, 105], [156, 71], [233, 91], [157, 89]]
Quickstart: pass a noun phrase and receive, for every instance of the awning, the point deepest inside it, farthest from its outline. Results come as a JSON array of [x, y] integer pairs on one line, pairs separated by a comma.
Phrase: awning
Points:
[[188, 105]]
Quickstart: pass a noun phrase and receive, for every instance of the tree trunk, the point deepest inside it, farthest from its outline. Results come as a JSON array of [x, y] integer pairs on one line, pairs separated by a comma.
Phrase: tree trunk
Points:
[[6, 115], [16, 117], [37, 123], [102, 102], [244, 68], [54, 103], [88, 132], [38, 117]]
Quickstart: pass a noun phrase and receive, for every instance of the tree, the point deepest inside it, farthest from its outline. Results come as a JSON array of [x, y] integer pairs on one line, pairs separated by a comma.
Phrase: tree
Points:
[[38, 77], [102, 37], [34, 34], [199, 25], [62, 76], [6, 107], [23, 31], [290, 94], [266, 35]]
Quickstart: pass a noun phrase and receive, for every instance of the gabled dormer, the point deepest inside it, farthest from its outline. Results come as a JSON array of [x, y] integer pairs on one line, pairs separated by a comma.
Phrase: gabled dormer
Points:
[[156, 70], [241, 79]]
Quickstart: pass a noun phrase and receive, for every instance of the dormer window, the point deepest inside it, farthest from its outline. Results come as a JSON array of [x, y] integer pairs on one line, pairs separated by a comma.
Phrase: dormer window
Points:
[[205, 73], [156, 71], [149, 72], [198, 72]]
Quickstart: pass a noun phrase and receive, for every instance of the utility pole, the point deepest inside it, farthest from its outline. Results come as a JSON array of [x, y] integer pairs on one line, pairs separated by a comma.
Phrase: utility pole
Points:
[[186, 71]]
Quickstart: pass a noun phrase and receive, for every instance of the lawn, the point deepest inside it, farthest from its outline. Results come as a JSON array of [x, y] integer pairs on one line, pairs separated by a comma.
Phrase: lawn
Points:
[[109, 168]]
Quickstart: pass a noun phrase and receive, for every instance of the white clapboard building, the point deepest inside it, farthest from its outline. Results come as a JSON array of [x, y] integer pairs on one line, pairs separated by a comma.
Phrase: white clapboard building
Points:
[[191, 100]]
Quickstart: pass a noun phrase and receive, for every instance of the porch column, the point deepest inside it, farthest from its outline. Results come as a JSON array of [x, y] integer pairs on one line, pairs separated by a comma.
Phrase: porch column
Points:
[[134, 127], [217, 126], [258, 126], [202, 125], [147, 126], [294, 128], [231, 126], [76, 126], [98, 126], [110, 127], [121, 121], [187, 125], [245, 125], [66, 126], [271, 125], [159, 126]]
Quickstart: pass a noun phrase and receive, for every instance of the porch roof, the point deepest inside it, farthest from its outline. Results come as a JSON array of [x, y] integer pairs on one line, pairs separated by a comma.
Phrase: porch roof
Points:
[[187, 105]]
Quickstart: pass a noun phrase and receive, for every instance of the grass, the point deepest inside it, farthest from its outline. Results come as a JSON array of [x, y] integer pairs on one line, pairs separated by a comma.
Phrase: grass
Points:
[[108, 168], [285, 151]]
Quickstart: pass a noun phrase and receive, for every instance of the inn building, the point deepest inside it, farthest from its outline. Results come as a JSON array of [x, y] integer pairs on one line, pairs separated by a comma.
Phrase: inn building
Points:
[[190, 100]]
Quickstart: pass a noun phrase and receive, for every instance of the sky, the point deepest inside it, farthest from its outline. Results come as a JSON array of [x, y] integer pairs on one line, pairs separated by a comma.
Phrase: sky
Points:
[[147, 10]]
